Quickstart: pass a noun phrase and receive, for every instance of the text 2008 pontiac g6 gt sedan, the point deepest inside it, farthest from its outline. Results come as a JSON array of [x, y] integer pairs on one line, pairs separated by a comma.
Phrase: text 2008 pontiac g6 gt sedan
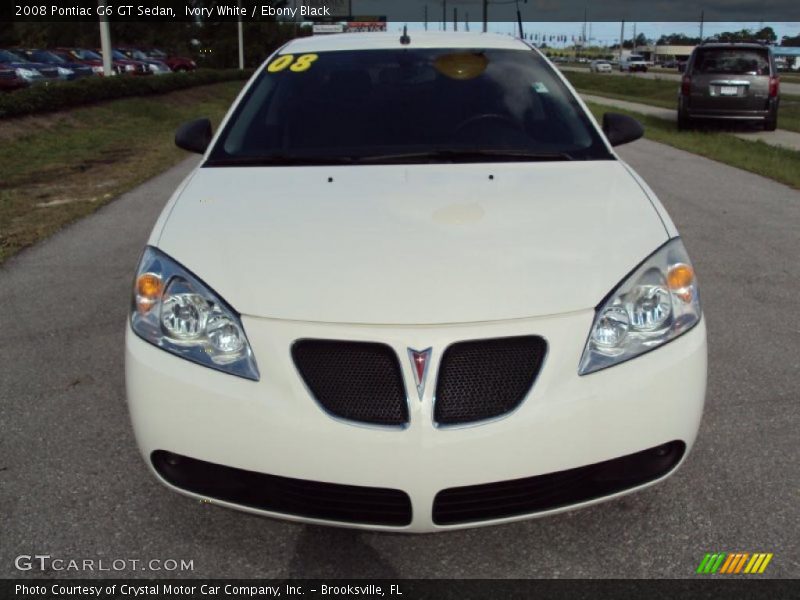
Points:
[[411, 287]]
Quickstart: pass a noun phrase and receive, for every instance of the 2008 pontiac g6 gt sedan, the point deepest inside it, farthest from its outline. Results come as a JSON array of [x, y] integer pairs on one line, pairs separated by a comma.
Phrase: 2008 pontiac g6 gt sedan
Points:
[[411, 287]]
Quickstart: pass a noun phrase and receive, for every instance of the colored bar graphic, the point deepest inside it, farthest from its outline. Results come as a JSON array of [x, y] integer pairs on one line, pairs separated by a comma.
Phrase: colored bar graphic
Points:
[[734, 563]]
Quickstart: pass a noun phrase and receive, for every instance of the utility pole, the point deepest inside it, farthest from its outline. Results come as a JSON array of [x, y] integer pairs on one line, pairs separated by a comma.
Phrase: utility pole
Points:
[[634, 38], [466, 21], [702, 22], [105, 44], [444, 15], [426, 17], [485, 14], [241, 38], [455, 18], [621, 38]]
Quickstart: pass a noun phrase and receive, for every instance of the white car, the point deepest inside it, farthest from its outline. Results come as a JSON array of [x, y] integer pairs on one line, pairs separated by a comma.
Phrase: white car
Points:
[[600, 66], [411, 287]]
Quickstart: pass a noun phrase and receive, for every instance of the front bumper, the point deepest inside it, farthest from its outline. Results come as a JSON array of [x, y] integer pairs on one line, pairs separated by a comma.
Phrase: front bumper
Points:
[[274, 427]]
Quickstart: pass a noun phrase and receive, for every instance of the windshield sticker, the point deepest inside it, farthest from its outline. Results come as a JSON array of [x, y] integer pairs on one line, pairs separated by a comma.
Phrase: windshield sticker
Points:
[[301, 65], [540, 88]]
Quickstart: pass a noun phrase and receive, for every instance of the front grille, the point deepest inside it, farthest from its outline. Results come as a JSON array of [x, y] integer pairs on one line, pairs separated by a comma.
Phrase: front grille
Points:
[[554, 490], [481, 379], [310, 499], [357, 381]]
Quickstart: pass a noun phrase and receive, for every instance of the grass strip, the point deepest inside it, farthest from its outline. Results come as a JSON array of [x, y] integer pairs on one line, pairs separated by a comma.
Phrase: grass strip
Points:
[[780, 164], [59, 167]]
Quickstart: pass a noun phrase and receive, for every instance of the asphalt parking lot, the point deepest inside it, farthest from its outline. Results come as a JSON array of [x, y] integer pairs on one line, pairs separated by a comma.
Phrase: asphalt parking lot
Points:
[[72, 484]]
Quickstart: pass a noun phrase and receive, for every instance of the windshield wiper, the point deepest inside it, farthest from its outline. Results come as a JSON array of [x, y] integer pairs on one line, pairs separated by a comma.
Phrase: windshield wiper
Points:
[[277, 160], [467, 156]]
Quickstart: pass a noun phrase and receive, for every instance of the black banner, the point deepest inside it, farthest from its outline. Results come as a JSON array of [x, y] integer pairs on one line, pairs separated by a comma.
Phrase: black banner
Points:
[[530, 11], [704, 587]]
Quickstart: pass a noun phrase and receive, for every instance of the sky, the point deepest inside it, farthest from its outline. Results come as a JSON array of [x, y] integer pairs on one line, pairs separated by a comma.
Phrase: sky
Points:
[[605, 33]]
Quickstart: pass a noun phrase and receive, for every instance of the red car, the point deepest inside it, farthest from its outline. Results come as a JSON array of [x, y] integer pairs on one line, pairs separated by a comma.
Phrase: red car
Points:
[[175, 63]]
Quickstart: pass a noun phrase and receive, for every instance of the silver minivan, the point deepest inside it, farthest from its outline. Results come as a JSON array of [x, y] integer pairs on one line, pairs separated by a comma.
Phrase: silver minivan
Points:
[[730, 81]]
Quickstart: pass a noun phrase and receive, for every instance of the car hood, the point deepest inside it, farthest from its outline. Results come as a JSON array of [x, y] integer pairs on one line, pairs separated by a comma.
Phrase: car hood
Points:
[[412, 244]]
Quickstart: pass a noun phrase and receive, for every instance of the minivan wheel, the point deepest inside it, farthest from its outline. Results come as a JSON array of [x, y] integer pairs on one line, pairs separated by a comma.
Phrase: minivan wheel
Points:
[[683, 121], [771, 122]]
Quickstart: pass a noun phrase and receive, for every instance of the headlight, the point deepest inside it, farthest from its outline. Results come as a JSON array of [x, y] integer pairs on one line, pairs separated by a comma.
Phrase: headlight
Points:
[[175, 311], [655, 304], [27, 72], [98, 69], [130, 67], [64, 72]]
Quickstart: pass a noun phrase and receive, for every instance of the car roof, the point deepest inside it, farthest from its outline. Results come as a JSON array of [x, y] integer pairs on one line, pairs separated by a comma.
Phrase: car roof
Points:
[[733, 45], [386, 41]]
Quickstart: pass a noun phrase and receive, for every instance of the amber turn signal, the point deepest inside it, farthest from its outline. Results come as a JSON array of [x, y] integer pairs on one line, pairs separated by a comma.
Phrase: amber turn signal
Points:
[[680, 279], [148, 291]]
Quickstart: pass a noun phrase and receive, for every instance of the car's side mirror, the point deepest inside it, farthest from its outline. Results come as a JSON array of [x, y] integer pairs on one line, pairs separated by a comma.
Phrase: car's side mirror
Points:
[[194, 136], [621, 129]]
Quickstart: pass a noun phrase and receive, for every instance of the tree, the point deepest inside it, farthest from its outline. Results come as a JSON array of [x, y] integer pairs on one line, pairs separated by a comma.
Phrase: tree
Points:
[[678, 39], [793, 42], [766, 33]]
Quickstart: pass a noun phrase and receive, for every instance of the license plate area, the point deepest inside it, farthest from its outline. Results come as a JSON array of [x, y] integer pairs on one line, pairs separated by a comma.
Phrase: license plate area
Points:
[[729, 90]]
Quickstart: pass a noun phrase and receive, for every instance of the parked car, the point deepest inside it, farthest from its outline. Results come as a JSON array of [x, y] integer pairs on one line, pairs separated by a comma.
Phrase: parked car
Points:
[[600, 66], [388, 297], [30, 72], [132, 67], [157, 67], [176, 63], [730, 81], [10, 81], [90, 58], [67, 70], [633, 63]]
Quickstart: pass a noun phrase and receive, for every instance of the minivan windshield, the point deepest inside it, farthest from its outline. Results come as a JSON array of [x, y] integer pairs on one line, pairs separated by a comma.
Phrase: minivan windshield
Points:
[[407, 105], [733, 61]]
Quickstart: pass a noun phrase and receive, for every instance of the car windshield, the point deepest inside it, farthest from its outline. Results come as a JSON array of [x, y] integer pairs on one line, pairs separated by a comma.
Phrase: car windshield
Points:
[[46, 57], [407, 105], [9, 57], [118, 55], [88, 55], [732, 61]]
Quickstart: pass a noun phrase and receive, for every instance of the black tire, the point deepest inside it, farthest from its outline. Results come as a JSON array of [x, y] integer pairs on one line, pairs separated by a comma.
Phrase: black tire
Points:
[[684, 123]]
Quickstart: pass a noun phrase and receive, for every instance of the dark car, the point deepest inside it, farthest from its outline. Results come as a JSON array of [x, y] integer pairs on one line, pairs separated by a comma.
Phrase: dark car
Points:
[[730, 81], [10, 81], [132, 67], [30, 72], [67, 69], [89, 58], [156, 66]]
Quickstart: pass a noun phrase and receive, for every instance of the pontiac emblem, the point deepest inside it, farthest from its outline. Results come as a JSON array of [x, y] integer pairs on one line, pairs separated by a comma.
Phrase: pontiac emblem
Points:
[[420, 359]]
